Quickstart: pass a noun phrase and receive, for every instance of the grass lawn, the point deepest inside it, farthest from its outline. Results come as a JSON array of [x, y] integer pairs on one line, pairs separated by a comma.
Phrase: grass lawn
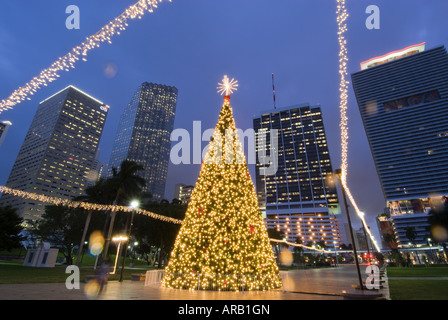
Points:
[[418, 271], [418, 289], [11, 273]]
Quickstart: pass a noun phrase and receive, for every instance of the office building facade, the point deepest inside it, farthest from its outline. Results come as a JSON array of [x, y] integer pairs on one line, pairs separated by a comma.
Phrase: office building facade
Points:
[[297, 199], [403, 98], [183, 192], [144, 134], [58, 153]]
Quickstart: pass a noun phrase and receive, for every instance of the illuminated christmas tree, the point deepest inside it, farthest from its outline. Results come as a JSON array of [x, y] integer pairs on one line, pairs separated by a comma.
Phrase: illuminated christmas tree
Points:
[[223, 243]]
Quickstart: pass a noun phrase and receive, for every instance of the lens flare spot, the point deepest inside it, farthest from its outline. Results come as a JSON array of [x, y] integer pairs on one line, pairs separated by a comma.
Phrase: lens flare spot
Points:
[[111, 70], [439, 233], [286, 258], [92, 289], [96, 243]]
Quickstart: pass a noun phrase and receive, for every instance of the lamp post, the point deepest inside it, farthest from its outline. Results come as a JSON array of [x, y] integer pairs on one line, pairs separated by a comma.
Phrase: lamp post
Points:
[[134, 205], [365, 236], [118, 239], [336, 253], [338, 173]]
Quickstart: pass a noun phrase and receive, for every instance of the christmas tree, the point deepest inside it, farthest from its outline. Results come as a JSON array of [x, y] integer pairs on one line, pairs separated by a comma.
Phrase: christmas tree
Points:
[[223, 243]]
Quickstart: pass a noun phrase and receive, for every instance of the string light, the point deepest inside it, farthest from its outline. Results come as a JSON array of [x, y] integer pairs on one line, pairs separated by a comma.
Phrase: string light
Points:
[[68, 61], [100, 207], [84, 205], [342, 17], [301, 245]]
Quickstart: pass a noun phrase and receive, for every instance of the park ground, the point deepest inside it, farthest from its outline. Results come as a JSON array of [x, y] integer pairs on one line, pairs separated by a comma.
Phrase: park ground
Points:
[[411, 283]]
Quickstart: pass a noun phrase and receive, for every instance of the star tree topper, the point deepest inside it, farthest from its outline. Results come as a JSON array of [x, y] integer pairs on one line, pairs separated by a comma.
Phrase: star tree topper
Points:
[[227, 87]]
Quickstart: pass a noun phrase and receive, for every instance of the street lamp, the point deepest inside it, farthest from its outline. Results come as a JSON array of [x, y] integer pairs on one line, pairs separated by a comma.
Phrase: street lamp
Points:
[[134, 205], [338, 173], [364, 227], [118, 239], [336, 253]]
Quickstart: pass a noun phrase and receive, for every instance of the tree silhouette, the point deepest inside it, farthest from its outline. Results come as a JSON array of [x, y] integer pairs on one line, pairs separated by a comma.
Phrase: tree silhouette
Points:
[[10, 229], [125, 183]]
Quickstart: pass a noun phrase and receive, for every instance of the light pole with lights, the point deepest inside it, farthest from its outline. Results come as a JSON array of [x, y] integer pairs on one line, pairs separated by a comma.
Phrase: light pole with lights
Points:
[[338, 173], [134, 205], [118, 239]]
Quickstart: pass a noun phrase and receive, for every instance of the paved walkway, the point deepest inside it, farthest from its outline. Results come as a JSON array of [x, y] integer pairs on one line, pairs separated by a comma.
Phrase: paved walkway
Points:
[[136, 290], [312, 284]]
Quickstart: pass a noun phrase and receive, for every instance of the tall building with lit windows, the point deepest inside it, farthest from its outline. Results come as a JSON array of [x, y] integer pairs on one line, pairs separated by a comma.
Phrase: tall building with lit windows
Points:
[[144, 134], [298, 199], [58, 154], [403, 100]]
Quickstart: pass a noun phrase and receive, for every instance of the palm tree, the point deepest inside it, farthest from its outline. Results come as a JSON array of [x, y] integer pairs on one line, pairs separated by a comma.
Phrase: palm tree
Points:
[[298, 252], [126, 183], [411, 234], [390, 239], [97, 193], [277, 235]]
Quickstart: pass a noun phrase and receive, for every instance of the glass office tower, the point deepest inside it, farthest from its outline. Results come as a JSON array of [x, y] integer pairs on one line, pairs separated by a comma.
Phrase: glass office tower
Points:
[[298, 199], [403, 100], [144, 134], [58, 153]]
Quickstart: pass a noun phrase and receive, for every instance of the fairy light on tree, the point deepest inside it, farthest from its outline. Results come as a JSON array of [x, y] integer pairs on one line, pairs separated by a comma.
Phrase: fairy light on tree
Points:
[[342, 17], [223, 242], [67, 62]]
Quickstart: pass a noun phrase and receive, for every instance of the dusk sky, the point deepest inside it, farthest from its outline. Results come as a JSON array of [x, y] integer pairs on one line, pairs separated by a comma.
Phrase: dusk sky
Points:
[[192, 44]]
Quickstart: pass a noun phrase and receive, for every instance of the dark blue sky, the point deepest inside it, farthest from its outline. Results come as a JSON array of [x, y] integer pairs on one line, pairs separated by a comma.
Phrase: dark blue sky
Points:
[[193, 44]]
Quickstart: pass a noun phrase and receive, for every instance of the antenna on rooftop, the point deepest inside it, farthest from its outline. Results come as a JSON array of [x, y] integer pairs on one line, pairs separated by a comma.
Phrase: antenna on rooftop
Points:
[[273, 90]]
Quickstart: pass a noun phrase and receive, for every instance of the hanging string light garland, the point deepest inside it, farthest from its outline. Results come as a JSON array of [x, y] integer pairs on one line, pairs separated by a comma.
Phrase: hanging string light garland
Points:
[[300, 245], [68, 61], [104, 207], [83, 205], [342, 17]]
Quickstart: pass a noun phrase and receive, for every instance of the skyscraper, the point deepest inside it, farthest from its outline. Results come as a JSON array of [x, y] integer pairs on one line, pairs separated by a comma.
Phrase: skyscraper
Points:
[[297, 198], [183, 192], [403, 99], [4, 127], [144, 134], [58, 153]]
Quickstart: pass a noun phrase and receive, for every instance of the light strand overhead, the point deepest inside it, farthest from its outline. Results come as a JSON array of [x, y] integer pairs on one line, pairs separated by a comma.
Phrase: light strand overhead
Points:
[[342, 17], [68, 61], [83, 205]]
